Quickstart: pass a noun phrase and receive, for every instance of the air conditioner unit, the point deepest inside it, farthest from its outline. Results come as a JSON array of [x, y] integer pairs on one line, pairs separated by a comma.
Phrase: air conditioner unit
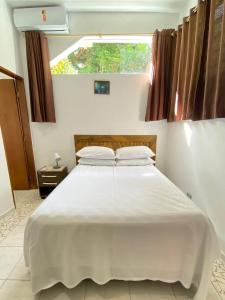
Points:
[[48, 19]]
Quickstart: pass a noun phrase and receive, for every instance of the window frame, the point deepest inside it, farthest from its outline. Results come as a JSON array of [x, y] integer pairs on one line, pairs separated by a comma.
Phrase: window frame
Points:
[[126, 39]]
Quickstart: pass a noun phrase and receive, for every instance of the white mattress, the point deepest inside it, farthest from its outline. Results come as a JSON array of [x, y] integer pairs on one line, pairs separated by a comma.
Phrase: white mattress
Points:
[[128, 223]]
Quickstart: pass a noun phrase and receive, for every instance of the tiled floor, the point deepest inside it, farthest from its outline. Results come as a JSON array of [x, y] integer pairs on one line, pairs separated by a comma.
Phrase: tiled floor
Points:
[[15, 278]]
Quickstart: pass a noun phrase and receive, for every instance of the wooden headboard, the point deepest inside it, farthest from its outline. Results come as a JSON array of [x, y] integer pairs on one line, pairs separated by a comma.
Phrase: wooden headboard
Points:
[[115, 141]]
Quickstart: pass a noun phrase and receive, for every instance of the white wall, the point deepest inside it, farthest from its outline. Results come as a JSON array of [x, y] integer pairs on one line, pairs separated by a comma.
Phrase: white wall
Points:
[[196, 163], [186, 9], [6, 197], [120, 23], [9, 49], [78, 110]]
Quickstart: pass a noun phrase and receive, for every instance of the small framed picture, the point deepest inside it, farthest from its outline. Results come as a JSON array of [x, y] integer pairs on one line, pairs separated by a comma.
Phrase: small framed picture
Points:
[[102, 87]]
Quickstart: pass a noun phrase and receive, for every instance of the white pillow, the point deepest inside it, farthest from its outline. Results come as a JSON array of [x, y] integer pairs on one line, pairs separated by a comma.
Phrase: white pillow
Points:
[[134, 152], [96, 152], [135, 162], [97, 162]]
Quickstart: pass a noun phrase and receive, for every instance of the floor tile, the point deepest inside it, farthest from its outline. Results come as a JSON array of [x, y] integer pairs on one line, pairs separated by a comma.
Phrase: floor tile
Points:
[[8, 223], [9, 256], [218, 277], [24, 221], [212, 294], [139, 290], [14, 238], [17, 290], [26, 202], [1, 282], [160, 290], [20, 272], [180, 292], [113, 290], [151, 290], [60, 292]]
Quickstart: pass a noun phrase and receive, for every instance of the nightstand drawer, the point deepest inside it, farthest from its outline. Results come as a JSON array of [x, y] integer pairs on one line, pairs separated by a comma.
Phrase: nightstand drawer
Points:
[[48, 183], [49, 178]]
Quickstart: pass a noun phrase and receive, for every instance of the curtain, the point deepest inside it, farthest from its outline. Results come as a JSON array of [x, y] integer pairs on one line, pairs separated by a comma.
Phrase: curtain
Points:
[[197, 78], [198, 30], [159, 90], [172, 105], [214, 88], [40, 80]]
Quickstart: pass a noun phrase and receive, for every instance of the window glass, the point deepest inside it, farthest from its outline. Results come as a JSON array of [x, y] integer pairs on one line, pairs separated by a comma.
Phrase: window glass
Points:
[[123, 55]]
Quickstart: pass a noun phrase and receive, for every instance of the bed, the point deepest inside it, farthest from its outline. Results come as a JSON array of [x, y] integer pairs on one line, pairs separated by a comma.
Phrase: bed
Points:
[[125, 223]]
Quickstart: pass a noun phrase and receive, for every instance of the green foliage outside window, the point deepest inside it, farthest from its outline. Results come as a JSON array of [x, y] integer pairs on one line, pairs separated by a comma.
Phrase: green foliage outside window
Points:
[[106, 58]]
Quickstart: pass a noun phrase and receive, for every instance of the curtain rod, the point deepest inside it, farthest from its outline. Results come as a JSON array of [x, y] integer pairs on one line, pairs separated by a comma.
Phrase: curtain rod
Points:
[[98, 34]]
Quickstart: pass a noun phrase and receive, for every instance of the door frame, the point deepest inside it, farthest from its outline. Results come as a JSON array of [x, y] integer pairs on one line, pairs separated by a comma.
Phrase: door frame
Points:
[[25, 125]]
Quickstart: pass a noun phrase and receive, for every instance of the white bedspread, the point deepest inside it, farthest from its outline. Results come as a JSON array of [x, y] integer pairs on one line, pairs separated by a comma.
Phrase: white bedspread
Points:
[[128, 223]]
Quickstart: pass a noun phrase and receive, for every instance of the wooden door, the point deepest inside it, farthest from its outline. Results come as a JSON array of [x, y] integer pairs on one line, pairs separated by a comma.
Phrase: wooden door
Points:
[[25, 124], [13, 136]]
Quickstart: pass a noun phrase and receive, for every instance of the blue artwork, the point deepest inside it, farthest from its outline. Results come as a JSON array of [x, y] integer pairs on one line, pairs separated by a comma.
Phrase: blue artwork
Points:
[[102, 87]]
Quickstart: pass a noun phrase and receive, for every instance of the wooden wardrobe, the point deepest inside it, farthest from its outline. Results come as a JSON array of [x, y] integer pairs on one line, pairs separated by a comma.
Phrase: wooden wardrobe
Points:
[[15, 126]]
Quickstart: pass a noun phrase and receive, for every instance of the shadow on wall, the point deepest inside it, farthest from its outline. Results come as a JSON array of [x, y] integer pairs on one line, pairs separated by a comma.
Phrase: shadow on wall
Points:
[[196, 163], [144, 99]]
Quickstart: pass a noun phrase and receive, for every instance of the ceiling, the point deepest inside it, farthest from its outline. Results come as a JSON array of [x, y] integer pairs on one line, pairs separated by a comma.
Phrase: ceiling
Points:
[[166, 6]]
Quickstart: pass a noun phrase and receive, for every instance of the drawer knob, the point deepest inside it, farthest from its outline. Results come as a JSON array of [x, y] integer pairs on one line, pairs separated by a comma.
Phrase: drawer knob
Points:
[[48, 176], [49, 183]]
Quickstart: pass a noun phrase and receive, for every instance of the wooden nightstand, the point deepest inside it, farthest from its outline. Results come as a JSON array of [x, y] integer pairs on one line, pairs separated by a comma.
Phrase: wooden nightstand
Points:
[[49, 178]]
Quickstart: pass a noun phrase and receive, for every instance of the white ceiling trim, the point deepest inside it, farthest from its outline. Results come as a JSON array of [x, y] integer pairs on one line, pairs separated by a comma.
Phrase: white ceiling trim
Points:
[[162, 6], [122, 6]]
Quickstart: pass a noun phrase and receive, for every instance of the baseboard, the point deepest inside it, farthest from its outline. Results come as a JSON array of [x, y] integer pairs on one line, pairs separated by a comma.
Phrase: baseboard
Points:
[[223, 255], [6, 213]]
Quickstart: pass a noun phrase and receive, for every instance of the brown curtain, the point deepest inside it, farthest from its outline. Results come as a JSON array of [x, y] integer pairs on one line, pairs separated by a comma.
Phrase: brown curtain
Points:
[[40, 80], [159, 90], [198, 29], [197, 79], [182, 71], [214, 89], [188, 59], [172, 106]]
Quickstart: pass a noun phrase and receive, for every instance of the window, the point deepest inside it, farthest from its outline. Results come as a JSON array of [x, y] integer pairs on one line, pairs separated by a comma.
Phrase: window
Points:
[[106, 54]]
